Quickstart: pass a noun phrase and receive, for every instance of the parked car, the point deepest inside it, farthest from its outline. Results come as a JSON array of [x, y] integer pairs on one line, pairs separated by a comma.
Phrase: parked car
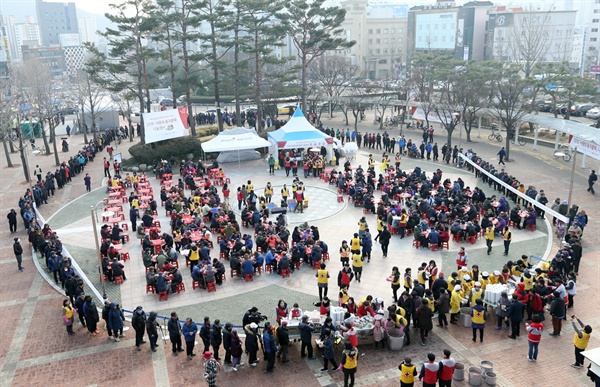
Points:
[[285, 109], [166, 102], [135, 111], [579, 110], [68, 110], [593, 113]]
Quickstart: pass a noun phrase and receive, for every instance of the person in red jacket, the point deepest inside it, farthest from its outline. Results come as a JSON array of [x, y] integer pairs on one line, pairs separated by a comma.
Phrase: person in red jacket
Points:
[[365, 309], [534, 335], [534, 303], [429, 371], [446, 371]]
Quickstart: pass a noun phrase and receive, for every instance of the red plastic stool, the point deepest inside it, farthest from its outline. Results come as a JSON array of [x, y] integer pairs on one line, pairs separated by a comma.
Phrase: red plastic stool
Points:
[[180, 288], [471, 240], [125, 256], [248, 277], [196, 284], [234, 273], [285, 273], [150, 289], [163, 296], [416, 243], [445, 245], [316, 264], [211, 286], [325, 257], [433, 246], [118, 280], [531, 227], [269, 268], [340, 199]]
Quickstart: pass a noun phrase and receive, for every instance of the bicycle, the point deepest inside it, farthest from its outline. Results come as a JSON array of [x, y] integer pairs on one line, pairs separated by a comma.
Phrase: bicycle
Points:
[[522, 141], [495, 135], [564, 151]]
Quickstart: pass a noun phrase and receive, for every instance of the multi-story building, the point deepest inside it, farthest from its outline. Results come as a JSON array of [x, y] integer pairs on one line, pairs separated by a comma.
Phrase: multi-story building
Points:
[[4, 49], [88, 30], [55, 19], [450, 28], [52, 57], [74, 53], [26, 34], [9, 24], [520, 35], [379, 29]]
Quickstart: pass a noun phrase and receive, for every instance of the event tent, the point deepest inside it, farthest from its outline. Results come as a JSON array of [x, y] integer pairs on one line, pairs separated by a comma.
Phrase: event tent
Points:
[[231, 141], [234, 140], [299, 133]]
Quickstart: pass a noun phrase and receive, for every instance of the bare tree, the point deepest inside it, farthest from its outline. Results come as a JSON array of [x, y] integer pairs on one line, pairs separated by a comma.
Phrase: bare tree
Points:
[[334, 75], [36, 86], [94, 99]]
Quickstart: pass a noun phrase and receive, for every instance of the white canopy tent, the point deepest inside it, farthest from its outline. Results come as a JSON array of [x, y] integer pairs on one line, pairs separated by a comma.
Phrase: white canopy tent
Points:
[[235, 140]]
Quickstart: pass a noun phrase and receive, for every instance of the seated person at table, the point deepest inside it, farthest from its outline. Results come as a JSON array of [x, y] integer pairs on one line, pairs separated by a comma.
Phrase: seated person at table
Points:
[[151, 277], [284, 263], [224, 249], [247, 265], [112, 252], [198, 275], [531, 218], [169, 205], [270, 259], [259, 260], [105, 232], [117, 269], [154, 233], [161, 259], [147, 259], [433, 237], [163, 195], [234, 263], [204, 251], [228, 231], [317, 254], [161, 283], [185, 241], [418, 235], [177, 279], [106, 268], [104, 247], [369, 203], [470, 230], [116, 234], [445, 235], [501, 224], [219, 269], [515, 217], [248, 242], [147, 219]]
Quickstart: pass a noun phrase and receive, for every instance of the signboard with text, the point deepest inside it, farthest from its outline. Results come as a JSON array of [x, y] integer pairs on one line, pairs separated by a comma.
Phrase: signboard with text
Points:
[[586, 147], [165, 125]]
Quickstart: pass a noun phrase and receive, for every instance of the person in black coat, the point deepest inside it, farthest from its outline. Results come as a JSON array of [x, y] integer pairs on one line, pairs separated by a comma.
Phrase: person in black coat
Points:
[[12, 220], [18, 250], [91, 315], [216, 338], [251, 342], [175, 333], [205, 334], [79, 303], [138, 322], [227, 342], [384, 240], [515, 315]]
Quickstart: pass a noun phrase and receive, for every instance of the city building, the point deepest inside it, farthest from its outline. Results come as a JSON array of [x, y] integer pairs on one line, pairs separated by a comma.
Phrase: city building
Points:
[[74, 53], [379, 29], [26, 34], [55, 19], [443, 26], [9, 23], [513, 35], [88, 30], [52, 57], [4, 49]]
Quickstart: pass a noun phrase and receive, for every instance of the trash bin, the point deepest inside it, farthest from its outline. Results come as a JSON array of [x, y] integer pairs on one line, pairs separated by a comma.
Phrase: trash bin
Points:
[[465, 317], [459, 371], [475, 376], [395, 343], [486, 366], [490, 378]]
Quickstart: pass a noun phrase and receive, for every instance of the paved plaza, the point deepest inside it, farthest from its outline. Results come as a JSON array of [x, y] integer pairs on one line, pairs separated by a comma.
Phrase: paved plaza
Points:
[[34, 347]]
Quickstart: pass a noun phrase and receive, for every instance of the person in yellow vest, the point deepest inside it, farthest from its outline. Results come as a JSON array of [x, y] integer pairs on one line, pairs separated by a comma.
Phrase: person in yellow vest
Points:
[[476, 293], [432, 272], [528, 280], [485, 279], [407, 373], [453, 277], [478, 317], [489, 238], [355, 243], [345, 253], [135, 181], [580, 340], [349, 364], [268, 192], [249, 186], [68, 316], [322, 281], [357, 265], [362, 226], [422, 275], [455, 301], [135, 203], [407, 279], [462, 273], [507, 237], [285, 193], [343, 295], [495, 277], [379, 227], [115, 182], [371, 162], [395, 280], [467, 285], [194, 256]]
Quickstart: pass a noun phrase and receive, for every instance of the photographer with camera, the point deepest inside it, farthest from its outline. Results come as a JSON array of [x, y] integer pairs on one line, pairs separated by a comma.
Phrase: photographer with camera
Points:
[[252, 315], [580, 340]]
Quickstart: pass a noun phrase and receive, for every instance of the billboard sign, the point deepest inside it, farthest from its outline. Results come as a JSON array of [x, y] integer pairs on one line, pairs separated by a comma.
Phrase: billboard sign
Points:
[[69, 40], [436, 31], [387, 11], [165, 125], [595, 69]]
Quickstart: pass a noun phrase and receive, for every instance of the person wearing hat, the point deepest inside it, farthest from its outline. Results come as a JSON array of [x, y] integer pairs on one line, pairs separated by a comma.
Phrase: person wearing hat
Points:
[[18, 251], [270, 346], [251, 343], [283, 337], [211, 368], [407, 373], [138, 322], [455, 300]]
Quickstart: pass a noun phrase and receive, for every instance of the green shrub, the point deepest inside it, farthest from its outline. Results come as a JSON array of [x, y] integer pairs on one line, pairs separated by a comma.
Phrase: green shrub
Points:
[[178, 148]]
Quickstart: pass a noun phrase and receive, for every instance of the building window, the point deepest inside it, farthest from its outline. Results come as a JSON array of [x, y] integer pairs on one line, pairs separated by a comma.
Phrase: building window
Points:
[[378, 31], [370, 51], [385, 31], [400, 40], [393, 40], [595, 20], [443, 38], [383, 61], [370, 31], [378, 51], [593, 39], [435, 26], [393, 31], [399, 30], [385, 50], [597, 11], [594, 30], [385, 41], [378, 41], [370, 41]]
